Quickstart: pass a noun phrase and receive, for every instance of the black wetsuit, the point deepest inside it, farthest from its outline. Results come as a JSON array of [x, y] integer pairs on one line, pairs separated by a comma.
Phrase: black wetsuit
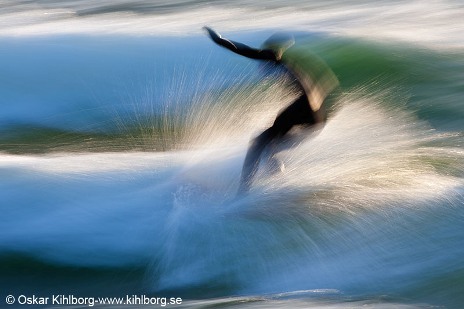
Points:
[[297, 113]]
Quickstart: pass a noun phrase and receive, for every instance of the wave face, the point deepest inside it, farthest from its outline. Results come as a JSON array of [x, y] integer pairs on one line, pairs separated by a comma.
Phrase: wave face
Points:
[[123, 132]]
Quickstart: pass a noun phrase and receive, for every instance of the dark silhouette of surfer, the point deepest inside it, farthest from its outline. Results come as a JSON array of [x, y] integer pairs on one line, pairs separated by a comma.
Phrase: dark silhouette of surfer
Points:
[[306, 110]]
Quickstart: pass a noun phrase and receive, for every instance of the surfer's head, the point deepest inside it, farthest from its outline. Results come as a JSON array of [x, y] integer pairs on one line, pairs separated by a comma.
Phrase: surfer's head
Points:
[[279, 42]]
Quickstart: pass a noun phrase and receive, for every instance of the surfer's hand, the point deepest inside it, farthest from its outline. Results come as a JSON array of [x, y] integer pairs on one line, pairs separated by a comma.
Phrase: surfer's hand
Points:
[[213, 34]]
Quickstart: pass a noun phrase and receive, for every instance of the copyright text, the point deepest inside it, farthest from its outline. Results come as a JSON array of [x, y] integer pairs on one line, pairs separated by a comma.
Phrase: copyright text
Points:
[[62, 299]]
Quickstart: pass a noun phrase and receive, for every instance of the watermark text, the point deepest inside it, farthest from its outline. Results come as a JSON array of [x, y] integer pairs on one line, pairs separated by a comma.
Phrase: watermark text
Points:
[[62, 299]]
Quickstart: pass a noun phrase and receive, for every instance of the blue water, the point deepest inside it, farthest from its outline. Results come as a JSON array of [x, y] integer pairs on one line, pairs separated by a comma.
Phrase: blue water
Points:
[[123, 129]]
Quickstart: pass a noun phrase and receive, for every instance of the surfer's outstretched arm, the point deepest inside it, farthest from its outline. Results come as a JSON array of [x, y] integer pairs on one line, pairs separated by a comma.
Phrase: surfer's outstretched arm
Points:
[[241, 49]]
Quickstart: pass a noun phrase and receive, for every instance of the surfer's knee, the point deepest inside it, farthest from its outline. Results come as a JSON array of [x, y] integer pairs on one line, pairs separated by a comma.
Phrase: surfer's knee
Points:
[[320, 116], [264, 138]]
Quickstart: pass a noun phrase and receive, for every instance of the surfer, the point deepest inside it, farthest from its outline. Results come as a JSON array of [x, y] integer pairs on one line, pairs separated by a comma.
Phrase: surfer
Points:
[[306, 110]]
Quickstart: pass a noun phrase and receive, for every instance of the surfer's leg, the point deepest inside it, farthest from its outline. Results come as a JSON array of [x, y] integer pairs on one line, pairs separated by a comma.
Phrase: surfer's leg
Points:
[[298, 112], [250, 166], [283, 123]]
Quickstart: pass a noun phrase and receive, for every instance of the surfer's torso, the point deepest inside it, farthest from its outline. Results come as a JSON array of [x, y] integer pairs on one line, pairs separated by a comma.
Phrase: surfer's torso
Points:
[[307, 72]]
